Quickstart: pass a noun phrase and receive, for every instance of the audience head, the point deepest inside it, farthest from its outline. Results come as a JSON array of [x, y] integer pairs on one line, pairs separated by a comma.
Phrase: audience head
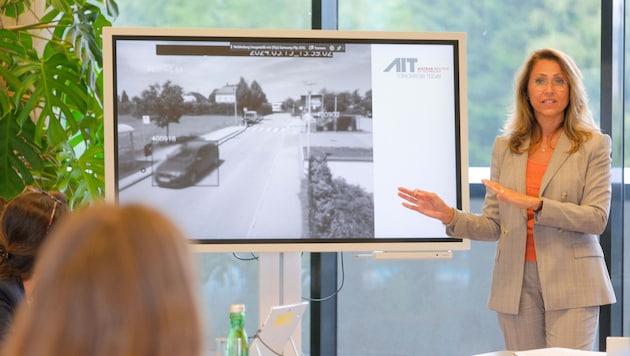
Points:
[[26, 221], [111, 281]]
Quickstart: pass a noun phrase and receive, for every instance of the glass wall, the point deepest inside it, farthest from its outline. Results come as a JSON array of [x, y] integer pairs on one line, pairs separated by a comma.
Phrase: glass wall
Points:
[[272, 14], [438, 307], [432, 307], [499, 36]]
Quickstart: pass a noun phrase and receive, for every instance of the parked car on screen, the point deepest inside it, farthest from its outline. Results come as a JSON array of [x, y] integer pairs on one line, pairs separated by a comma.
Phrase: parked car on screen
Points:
[[251, 117], [341, 123], [190, 162]]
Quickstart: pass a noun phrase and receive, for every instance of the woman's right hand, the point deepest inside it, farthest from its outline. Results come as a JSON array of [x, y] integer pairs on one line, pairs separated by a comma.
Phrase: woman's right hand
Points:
[[426, 203]]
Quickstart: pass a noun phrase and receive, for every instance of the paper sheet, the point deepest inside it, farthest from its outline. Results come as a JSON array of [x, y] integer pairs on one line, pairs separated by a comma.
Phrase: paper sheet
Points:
[[558, 351]]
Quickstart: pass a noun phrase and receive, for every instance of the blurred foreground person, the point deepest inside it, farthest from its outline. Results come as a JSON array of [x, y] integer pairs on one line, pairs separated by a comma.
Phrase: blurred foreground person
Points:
[[26, 221], [111, 281]]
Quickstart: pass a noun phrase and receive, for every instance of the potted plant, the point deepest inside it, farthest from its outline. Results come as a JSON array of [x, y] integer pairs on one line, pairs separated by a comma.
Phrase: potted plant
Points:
[[51, 113]]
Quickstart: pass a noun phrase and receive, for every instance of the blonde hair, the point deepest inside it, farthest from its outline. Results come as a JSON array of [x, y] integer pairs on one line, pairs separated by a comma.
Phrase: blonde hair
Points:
[[578, 123], [111, 281]]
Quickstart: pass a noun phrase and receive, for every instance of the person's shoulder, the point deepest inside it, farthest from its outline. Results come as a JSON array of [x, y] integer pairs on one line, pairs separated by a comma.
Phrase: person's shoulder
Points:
[[598, 139], [501, 140], [601, 136], [501, 144]]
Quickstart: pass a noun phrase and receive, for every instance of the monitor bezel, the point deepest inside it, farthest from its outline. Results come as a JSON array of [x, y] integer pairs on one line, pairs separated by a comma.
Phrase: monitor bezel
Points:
[[111, 34]]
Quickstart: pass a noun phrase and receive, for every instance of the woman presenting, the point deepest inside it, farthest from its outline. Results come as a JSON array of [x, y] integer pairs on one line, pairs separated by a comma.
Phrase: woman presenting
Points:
[[546, 203]]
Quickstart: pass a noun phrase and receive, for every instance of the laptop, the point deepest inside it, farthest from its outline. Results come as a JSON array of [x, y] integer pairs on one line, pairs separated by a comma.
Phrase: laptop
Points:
[[276, 331]]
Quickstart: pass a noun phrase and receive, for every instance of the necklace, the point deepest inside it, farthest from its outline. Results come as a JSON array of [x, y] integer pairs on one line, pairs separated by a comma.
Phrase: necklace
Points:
[[548, 144]]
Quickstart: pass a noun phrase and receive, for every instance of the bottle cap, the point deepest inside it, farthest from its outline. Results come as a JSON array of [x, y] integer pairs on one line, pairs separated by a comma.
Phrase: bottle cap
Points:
[[237, 308]]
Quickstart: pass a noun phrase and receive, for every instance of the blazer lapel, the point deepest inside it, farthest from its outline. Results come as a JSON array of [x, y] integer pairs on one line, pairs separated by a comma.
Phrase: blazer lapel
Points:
[[560, 155], [519, 172]]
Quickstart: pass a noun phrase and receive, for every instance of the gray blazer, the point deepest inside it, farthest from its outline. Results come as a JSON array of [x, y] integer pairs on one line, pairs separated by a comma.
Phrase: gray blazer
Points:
[[576, 193]]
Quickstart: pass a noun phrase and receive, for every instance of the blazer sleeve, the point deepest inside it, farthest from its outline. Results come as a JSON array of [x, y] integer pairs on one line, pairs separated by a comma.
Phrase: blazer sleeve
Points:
[[578, 197], [484, 226]]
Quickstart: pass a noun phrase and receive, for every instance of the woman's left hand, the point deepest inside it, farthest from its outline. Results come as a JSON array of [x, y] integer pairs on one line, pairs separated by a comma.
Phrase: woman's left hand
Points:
[[510, 196]]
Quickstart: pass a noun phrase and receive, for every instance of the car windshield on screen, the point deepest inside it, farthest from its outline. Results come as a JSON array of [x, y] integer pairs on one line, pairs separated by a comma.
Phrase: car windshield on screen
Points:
[[181, 153]]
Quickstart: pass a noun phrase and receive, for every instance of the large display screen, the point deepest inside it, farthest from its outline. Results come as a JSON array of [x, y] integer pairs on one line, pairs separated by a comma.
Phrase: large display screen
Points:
[[257, 140]]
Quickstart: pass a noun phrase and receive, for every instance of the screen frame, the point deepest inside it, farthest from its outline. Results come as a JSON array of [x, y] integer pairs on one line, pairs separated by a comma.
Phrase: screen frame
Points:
[[110, 34]]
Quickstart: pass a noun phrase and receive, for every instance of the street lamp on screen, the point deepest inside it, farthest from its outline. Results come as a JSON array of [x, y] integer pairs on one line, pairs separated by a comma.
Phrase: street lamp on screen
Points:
[[308, 119]]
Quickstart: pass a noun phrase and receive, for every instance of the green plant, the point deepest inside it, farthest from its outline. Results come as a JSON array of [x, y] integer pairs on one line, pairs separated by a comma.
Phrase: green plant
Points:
[[51, 111]]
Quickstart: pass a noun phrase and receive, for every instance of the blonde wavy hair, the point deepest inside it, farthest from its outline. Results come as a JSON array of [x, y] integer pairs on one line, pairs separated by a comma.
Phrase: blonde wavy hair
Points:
[[578, 124]]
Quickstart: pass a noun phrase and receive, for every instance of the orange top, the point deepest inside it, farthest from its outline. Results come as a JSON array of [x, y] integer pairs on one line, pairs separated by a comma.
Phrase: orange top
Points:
[[535, 172]]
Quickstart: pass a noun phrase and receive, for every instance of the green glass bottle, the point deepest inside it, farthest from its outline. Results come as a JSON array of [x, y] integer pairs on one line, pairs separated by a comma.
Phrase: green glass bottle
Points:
[[236, 343]]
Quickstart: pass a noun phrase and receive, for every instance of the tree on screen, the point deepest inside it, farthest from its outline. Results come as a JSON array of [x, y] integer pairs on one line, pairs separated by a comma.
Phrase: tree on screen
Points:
[[163, 104]]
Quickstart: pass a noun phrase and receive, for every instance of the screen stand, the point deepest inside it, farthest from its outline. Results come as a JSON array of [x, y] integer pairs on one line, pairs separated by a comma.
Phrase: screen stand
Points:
[[407, 255], [280, 282]]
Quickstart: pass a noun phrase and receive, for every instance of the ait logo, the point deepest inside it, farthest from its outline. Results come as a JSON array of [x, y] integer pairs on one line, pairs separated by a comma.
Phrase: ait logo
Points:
[[402, 65], [408, 67]]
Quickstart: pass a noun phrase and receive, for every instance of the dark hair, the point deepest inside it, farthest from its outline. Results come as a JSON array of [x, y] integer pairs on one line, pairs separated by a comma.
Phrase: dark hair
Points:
[[26, 220]]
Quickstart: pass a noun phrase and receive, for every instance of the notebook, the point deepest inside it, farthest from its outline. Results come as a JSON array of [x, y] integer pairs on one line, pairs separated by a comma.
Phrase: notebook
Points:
[[276, 331]]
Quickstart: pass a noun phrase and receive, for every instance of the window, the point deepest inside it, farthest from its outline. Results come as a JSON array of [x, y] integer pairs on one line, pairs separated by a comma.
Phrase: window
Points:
[[438, 306], [435, 307]]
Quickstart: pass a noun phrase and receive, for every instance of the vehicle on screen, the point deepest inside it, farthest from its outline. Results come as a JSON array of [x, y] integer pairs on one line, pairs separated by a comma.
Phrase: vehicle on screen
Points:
[[188, 164], [251, 117]]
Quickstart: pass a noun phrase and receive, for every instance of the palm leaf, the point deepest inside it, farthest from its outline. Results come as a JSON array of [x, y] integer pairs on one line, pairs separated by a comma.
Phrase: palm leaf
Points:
[[51, 123], [18, 157]]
